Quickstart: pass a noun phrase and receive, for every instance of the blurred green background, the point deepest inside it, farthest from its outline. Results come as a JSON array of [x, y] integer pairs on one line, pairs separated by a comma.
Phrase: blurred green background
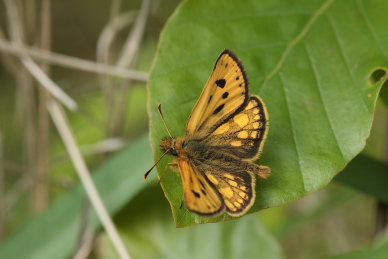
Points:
[[40, 193]]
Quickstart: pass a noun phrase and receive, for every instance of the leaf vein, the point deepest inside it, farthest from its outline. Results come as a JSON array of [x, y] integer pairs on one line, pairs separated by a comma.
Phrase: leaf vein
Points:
[[363, 14], [315, 73], [305, 30], [343, 56], [292, 130]]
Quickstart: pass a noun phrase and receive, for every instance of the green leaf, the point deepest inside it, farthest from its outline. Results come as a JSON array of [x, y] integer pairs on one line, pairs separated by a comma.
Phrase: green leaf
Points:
[[367, 175], [55, 233], [309, 60], [376, 251], [152, 234]]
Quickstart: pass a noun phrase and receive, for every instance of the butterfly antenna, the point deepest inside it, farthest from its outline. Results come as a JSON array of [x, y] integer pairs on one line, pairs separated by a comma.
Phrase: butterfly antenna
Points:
[[164, 122], [149, 171]]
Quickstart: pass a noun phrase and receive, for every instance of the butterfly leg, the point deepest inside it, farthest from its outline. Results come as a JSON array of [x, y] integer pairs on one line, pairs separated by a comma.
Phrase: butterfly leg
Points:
[[173, 166]]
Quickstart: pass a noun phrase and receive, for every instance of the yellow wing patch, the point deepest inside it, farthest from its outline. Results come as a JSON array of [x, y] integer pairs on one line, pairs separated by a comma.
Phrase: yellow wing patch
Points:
[[224, 93], [200, 194], [244, 134], [237, 190]]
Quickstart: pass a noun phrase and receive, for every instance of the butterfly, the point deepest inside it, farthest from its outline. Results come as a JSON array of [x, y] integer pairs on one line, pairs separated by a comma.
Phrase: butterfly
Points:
[[225, 133]]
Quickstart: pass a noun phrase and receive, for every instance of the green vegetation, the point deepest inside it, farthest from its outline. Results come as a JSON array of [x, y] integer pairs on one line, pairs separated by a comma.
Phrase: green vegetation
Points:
[[321, 68]]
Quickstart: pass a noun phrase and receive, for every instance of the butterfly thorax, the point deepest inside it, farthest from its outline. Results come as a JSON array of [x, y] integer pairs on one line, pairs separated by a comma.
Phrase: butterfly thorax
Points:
[[186, 148], [201, 154]]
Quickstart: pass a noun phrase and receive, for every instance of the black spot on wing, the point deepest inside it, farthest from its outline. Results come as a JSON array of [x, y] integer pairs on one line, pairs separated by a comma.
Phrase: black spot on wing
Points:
[[218, 109], [196, 194], [244, 83], [225, 95], [221, 83], [210, 98]]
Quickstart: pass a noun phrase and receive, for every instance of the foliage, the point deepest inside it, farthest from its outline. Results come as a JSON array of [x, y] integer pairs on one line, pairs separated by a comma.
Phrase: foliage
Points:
[[309, 60], [319, 66], [59, 228]]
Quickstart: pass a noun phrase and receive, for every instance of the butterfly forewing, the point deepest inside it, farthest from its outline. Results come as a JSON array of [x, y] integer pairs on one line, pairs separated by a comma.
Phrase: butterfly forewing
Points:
[[225, 93], [200, 194]]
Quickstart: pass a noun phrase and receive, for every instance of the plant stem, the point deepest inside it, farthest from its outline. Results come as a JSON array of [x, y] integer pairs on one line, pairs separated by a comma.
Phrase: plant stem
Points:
[[381, 218], [382, 207], [59, 118]]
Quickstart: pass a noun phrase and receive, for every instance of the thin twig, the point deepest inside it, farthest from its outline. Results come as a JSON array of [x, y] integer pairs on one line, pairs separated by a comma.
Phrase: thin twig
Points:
[[8, 62], [27, 105], [114, 8], [382, 207], [117, 22], [17, 190], [3, 203], [104, 146], [30, 65], [87, 245], [381, 218], [72, 62], [49, 84], [132, 44], [109, 33], [29, 124], [105, 40], [29, 21], [63, 128], [127, 58], [45, 33], [87, 233], [41, 181]]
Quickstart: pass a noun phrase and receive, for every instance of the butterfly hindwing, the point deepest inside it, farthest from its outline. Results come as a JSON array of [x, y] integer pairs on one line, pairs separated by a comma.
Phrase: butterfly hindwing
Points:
[[200, 194], [237, 189], [243, 135], [225, 93]]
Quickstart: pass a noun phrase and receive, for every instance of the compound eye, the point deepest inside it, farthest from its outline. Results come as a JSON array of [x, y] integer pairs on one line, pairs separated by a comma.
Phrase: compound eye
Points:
[[173, 152]]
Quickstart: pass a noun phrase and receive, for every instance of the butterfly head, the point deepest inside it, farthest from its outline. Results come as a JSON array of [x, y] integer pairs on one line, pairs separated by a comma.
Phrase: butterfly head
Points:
[[174, 146], [168, 146]]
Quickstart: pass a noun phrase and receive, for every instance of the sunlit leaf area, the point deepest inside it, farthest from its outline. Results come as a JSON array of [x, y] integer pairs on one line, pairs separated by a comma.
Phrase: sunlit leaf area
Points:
[[80, 85]]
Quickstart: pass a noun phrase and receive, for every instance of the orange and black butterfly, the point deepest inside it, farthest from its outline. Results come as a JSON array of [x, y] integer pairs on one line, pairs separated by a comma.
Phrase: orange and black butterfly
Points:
[[225, 133]]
